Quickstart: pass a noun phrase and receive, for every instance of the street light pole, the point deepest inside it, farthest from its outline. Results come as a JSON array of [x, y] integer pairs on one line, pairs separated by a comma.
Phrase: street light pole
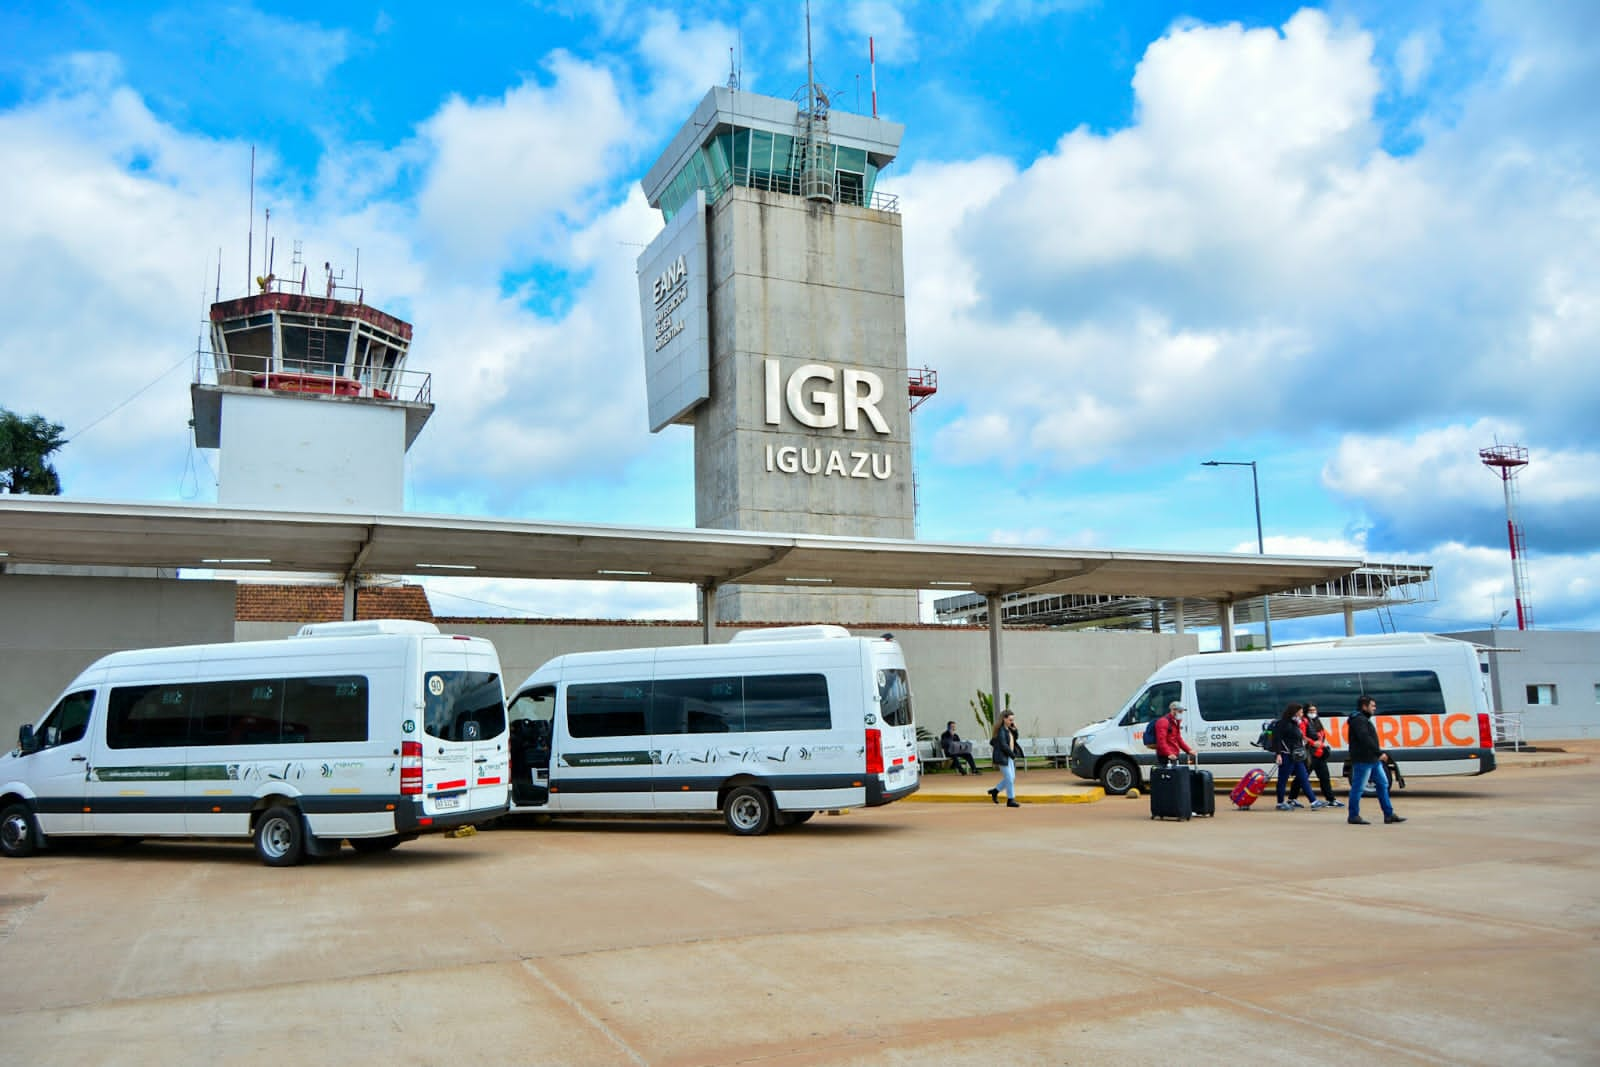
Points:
[[1261, 541]]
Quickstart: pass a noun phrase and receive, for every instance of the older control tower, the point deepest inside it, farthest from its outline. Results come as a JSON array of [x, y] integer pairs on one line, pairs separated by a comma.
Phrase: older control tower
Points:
[[308, 398], [773, 307]]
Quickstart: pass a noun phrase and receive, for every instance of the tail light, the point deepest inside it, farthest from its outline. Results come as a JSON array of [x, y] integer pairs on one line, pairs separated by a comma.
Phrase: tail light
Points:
[[1485, 731], [410, 768], [874, 752]]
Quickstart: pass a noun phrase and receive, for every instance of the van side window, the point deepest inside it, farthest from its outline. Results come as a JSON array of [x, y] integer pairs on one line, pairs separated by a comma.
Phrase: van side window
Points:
[[67, 722], [1152, 703], [148, 716], [697, 706], [800, 702], [608, 709]]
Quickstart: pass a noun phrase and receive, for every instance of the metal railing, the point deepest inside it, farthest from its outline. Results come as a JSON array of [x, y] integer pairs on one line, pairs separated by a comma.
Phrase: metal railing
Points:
[[312, 377], [779, 182]]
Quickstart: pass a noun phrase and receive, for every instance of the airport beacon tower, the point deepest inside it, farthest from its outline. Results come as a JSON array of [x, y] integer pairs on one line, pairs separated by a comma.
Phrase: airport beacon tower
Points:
[[773, 307]]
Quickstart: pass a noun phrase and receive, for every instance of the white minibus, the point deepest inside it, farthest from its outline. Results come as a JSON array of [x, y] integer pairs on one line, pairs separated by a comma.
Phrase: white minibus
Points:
[[768, 729], [371, 732], [1432, 692]]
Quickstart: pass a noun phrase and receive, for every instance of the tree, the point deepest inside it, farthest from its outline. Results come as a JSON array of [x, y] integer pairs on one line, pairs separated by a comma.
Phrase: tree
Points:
[[25, 448], [983, 711]]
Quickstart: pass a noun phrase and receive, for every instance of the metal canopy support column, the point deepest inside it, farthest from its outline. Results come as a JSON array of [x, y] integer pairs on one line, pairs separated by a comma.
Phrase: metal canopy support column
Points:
[[1349, 619], [1225, 616], [1177, 616], [708, 612], [350, 599], [994, 655]]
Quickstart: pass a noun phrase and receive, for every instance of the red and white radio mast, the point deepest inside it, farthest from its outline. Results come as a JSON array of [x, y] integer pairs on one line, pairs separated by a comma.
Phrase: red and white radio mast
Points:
[[1508, 461]]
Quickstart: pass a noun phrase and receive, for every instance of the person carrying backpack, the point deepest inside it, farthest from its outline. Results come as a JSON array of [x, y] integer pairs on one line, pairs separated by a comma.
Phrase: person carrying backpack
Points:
[[1169, 736], [1289, 742]]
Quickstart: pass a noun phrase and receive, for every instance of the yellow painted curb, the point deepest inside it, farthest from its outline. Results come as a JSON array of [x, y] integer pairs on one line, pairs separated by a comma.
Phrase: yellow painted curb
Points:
[[1088, 796]]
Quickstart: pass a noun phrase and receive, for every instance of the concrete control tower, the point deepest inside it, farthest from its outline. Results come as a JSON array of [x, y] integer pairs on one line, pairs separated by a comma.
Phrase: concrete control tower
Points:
[[773, 306], [308, 398]]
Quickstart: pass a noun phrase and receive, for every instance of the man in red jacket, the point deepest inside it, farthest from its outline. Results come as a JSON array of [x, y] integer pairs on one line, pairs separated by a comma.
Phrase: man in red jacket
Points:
[[1169, 736]]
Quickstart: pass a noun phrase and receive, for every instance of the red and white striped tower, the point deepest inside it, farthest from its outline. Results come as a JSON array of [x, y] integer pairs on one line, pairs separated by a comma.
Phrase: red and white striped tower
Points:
[[1508, 461]]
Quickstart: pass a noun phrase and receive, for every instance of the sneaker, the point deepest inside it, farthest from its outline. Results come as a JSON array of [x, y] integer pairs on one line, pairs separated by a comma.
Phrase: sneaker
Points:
[[1335, 804], [1394, 818], [1285, 807], [1356, 820], [1315, 804], [1296, 804]]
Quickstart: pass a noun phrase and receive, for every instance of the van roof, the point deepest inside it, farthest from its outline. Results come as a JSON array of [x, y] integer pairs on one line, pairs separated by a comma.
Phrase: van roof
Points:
[[790, 633], [366, 627]]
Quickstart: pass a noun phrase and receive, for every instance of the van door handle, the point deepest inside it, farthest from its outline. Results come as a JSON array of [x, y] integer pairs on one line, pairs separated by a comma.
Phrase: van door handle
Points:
[[481, 759], [80, 759]]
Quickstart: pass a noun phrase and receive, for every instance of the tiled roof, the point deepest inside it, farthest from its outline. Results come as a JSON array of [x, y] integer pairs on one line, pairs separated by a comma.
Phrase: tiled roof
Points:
[[325, 603]]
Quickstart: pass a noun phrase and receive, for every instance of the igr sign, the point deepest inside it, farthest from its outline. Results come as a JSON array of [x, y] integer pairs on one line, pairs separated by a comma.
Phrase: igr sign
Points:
[[822, 397]]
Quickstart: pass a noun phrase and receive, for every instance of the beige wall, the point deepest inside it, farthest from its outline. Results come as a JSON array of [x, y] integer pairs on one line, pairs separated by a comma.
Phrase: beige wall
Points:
[[1058, 680], [53, 626]]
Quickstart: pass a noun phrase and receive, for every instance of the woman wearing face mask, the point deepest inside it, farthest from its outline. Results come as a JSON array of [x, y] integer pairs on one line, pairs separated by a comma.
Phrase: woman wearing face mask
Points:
[[1289, 740], [1317, 750]]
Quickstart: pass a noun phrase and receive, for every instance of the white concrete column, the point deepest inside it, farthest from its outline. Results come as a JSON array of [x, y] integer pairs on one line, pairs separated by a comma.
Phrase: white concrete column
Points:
[[1349, 619], [349, 600], [1177, 616], [993, 600], [1225, 616]]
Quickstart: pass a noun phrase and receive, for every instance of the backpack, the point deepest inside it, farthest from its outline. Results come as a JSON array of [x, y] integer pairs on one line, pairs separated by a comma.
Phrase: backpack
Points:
[[1150, 733], [1267, 740]]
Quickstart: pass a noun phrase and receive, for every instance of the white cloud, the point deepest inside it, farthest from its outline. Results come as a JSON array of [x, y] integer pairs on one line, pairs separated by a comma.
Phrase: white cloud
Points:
[[1414, 58]]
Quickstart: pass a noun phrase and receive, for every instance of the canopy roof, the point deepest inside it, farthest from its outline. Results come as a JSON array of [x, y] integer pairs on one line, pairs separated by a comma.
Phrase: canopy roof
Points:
[[53, 530]]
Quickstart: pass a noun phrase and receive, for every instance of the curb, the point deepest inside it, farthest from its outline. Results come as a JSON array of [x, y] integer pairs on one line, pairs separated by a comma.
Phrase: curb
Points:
[[1088, 796]]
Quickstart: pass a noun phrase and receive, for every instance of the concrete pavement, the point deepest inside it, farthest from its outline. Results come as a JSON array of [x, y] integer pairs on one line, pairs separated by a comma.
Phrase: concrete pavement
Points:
[[917, 933]]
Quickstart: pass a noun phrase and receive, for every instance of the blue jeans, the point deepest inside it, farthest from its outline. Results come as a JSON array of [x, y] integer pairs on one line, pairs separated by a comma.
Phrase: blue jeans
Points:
[[1359, 773], [1298, 769], [1008, 779]]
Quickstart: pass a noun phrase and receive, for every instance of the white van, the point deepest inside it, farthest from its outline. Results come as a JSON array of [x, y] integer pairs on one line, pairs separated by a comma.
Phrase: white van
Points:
[[1432, 693], [768, 729], [372, 732]]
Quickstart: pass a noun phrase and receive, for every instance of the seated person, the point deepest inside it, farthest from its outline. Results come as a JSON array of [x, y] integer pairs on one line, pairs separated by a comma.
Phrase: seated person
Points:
[[951, 744]]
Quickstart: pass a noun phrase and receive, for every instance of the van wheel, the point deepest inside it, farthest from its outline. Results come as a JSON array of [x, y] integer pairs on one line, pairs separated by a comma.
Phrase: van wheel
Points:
[[748, 811], [19, 835], [368, 845], [1117, 776], [280, 837]]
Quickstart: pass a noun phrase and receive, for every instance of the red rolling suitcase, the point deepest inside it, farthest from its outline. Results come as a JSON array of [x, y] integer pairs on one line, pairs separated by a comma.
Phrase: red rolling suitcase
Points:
[[1250, 787]]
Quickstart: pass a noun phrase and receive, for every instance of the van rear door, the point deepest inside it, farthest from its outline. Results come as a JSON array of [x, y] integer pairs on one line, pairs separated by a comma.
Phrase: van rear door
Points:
[[464, 746]]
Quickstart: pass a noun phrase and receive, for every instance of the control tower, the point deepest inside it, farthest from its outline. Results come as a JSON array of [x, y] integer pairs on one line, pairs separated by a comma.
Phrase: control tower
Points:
[[308, 399], [773, 307]]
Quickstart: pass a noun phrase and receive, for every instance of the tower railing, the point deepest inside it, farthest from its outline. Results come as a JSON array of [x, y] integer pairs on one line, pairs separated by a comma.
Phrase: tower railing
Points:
[[316, 377], [794, 185]]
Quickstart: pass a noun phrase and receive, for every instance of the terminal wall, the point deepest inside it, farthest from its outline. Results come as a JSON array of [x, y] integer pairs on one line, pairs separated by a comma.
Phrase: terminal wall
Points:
[[53, 626], [1570, 661], [1058, 680]]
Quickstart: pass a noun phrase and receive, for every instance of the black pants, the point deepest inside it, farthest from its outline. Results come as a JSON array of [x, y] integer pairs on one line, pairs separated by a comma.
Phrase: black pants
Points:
[[1319, 767], [957, 757]]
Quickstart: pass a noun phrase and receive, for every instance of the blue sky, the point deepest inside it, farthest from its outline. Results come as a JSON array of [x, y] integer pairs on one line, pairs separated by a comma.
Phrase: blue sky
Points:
[[1353, 243]]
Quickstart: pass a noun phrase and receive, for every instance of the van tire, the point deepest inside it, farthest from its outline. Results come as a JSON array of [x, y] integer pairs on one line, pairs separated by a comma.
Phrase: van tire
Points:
[[19, 834], [280, 837], [748, 811], [1117, 776], [370, 845]]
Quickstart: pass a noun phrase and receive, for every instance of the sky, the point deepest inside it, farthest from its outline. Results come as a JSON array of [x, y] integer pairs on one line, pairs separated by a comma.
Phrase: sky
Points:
[[1355, 243]]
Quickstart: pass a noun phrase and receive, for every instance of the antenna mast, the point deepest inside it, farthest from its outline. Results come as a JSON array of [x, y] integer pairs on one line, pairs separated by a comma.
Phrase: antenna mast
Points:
[[1508, 461]]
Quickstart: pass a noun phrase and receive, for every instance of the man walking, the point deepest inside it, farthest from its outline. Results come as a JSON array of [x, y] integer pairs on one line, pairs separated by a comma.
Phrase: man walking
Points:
[[1366, 761], [1170, 744]]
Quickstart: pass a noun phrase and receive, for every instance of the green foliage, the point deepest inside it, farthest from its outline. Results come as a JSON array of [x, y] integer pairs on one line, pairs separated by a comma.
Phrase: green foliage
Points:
[[983, 711], [26, 444]]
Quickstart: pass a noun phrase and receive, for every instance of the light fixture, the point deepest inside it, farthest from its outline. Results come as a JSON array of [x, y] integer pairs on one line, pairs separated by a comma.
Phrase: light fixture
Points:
[[810, 581], [957, 585], [235, 561], [446, 567], [624, 574]]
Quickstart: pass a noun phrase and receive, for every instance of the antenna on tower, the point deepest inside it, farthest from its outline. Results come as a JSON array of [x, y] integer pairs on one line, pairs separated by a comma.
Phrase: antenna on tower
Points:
[[1508, 461]]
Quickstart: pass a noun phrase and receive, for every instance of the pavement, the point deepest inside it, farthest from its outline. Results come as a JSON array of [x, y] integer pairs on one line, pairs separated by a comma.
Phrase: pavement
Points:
[[917, 933], [1043, 784]]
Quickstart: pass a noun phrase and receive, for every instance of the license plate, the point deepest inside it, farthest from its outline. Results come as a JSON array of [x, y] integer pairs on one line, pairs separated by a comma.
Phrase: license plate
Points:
[[894, 772], [447, 802]]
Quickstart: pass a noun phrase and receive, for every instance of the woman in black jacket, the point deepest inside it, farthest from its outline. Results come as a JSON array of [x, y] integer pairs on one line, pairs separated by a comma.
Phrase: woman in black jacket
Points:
[[1317, 748], [1289, 742]]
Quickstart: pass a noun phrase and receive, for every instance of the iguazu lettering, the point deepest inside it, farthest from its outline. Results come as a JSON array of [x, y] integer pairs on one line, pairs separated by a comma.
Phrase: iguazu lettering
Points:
[[833, 462]]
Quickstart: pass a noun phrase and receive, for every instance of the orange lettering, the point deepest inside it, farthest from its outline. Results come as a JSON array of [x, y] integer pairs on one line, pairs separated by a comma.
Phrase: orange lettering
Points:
[[1413, 730], [1335, 728], [1433, 726], [1450, 724], [1388, 731]]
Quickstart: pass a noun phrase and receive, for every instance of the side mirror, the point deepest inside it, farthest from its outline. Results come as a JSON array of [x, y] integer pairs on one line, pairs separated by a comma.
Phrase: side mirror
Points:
[[25, 741]]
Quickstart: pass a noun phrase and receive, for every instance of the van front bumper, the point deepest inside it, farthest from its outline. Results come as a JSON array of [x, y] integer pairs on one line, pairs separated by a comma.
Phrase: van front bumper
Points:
[[1079, 761]]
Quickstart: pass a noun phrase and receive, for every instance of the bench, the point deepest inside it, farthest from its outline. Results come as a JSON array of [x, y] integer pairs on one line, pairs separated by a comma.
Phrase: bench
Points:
[[932, 756]]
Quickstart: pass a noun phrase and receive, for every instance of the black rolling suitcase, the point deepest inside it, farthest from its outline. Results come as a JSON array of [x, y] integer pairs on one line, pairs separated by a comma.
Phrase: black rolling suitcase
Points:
[[1204, 785], [1171, 795]]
